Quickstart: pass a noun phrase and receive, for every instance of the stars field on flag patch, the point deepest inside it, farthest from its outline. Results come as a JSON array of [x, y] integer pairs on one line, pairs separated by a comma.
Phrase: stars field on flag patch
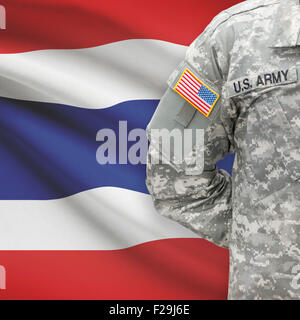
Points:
[[196, 92]]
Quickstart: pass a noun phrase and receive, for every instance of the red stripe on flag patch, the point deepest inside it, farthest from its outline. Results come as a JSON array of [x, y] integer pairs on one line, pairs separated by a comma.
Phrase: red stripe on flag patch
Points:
[[196, 92], [189, 97]]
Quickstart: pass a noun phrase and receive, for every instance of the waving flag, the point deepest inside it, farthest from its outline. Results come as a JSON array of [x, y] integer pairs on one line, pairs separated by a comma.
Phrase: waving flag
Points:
[[70, 227]]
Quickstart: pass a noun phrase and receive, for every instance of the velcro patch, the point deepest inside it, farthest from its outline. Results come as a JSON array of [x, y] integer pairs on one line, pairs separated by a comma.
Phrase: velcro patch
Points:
[[264, 80], [196, 92]]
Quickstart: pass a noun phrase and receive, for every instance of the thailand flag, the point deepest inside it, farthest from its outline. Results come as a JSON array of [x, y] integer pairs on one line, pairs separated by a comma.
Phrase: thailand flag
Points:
[[73, 226]]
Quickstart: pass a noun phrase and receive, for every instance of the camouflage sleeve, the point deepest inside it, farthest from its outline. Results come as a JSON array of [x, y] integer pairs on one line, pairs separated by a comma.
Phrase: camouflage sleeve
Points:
[[200, 201]]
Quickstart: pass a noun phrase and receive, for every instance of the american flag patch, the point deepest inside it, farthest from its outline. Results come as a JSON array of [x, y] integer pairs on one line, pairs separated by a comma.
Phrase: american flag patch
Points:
[[196, 92]]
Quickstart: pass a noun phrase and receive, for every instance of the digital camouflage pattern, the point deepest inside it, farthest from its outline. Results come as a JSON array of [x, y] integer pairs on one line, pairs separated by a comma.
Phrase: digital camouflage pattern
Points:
[[251, 55]]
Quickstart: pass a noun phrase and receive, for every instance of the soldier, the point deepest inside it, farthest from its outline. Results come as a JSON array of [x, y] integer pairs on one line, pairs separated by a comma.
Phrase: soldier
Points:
[[240, 83]]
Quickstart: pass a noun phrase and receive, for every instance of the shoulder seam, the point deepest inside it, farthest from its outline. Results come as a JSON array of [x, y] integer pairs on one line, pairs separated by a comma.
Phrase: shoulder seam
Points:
[[256, 5], [226, 15]]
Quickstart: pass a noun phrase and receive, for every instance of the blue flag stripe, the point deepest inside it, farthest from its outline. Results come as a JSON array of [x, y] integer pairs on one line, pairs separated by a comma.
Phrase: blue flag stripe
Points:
[[48, 151]]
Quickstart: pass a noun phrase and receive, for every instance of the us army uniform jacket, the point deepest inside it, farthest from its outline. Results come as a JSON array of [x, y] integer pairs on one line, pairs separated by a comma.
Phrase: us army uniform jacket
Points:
[[249, 56]]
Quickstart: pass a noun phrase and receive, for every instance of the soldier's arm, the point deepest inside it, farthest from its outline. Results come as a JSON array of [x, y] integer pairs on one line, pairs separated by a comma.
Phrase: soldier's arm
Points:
[[199, 201]]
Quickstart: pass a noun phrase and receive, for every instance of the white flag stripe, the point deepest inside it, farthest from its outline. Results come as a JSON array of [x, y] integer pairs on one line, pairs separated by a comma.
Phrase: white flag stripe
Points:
[[97, 77], [90, 220]]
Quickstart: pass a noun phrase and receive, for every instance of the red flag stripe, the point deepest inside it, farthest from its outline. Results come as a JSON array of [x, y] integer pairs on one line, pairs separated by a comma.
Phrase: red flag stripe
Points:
[[67, 24], [163, 269]]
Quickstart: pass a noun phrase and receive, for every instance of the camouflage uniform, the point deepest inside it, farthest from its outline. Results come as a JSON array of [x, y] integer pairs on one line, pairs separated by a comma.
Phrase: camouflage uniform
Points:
[[250, 55]]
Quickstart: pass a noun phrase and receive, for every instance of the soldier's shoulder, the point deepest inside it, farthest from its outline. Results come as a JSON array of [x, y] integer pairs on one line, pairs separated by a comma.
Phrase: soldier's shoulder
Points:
[[250, 5], [236, 12]]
